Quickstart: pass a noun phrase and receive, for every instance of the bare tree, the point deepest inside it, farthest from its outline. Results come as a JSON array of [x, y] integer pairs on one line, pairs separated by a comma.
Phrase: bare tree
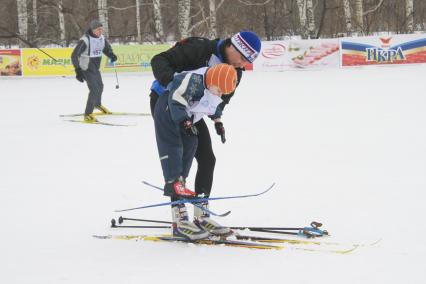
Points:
[[34, 16], [409, 14], [184, 9], [50, 21], [103, 15], [22, 18], [212, 15], [310, 16], [373, 19], [138, 22], [158, 23], [306, 18], [61, 22], [301, 6], [359, 16], [348, 16]]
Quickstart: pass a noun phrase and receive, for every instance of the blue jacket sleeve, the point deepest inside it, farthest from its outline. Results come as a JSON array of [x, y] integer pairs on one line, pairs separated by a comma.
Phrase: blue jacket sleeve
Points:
[[179, 97]]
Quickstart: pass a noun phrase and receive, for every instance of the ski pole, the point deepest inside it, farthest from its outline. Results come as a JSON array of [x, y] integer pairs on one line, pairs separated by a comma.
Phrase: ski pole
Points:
[[267, 228], [314, 229], [301, 233], [116, 78], [117, 86], [305, 232], [121, 219], [142, 227], [114, 225]]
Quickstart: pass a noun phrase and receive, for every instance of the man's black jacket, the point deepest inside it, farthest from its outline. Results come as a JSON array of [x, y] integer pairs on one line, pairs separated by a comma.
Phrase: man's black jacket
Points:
[[189, 54]]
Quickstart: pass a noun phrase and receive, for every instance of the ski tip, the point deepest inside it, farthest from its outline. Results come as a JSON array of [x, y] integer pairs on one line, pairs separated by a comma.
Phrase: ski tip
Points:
[[268, 189]]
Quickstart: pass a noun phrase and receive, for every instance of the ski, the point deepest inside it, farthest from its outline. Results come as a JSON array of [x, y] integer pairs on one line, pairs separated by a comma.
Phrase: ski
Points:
[[106, 114], [194, 200], [210, 242], [99, 122], [250, 242], [310, 245]]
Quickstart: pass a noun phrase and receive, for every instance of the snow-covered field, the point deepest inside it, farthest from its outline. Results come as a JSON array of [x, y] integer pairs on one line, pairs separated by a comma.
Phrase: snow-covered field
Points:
[[345, 147]]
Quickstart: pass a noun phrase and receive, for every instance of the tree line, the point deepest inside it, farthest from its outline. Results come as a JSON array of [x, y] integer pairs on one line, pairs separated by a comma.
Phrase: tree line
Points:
[[62, 22]]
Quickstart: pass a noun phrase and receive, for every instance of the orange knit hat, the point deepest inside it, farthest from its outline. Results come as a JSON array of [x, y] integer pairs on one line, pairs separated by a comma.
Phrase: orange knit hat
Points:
[[222, 76]]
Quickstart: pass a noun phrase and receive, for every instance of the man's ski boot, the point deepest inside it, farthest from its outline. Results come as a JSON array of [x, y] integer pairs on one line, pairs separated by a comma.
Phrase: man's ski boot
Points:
[[90, 118], [182, 227], [103, 109], [178, 189], [202, 219]]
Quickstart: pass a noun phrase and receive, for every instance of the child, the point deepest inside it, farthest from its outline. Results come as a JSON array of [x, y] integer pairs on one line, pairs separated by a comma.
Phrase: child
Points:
[[189, 97]]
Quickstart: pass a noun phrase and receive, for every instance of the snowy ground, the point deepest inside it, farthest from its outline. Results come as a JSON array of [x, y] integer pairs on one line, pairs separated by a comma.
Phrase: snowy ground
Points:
[[345, 147]]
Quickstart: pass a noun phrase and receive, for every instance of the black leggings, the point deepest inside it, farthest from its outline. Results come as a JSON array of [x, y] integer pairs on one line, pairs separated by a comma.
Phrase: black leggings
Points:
[[204, 155]]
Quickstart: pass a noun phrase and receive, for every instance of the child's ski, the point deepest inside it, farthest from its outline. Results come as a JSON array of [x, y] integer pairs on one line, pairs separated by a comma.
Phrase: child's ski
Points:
[[194, 200]]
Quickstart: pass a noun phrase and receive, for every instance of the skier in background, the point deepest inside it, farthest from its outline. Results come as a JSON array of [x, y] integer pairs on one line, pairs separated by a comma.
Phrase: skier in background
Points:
[[192, 53], [189, 97], [86, 58]]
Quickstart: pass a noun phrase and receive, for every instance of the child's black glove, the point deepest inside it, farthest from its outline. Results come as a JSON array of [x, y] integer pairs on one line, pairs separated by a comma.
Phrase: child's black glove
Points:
[[188, 128], [220, 130]]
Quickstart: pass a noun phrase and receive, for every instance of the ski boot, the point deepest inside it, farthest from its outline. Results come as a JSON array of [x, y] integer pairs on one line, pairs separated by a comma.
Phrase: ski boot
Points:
[[202, 219], [182, 227], [103, 109], [178, 189], [90, 118]]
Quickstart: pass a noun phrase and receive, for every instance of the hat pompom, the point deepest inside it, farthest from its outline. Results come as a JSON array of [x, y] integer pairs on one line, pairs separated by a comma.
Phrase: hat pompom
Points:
[[222, 76]]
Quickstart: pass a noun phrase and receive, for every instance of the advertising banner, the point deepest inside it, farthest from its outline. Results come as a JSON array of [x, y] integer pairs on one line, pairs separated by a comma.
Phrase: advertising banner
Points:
[[298, 54], [381, 50], [37, 63], [10, 62], [133, 58]]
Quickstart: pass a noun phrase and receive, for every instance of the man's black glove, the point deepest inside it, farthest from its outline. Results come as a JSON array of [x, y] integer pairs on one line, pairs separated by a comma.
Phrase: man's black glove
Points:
[[220, 130], [113, 57], [188, 128], [79, 75]]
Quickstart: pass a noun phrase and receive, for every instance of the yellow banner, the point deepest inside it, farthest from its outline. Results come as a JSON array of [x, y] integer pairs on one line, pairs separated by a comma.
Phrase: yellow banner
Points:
[[131, 58], [37, 63]]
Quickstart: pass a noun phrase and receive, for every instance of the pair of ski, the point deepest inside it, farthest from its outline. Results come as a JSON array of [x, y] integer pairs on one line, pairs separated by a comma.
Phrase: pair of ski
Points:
[[74, 117], [239, 240], [209, 241]]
